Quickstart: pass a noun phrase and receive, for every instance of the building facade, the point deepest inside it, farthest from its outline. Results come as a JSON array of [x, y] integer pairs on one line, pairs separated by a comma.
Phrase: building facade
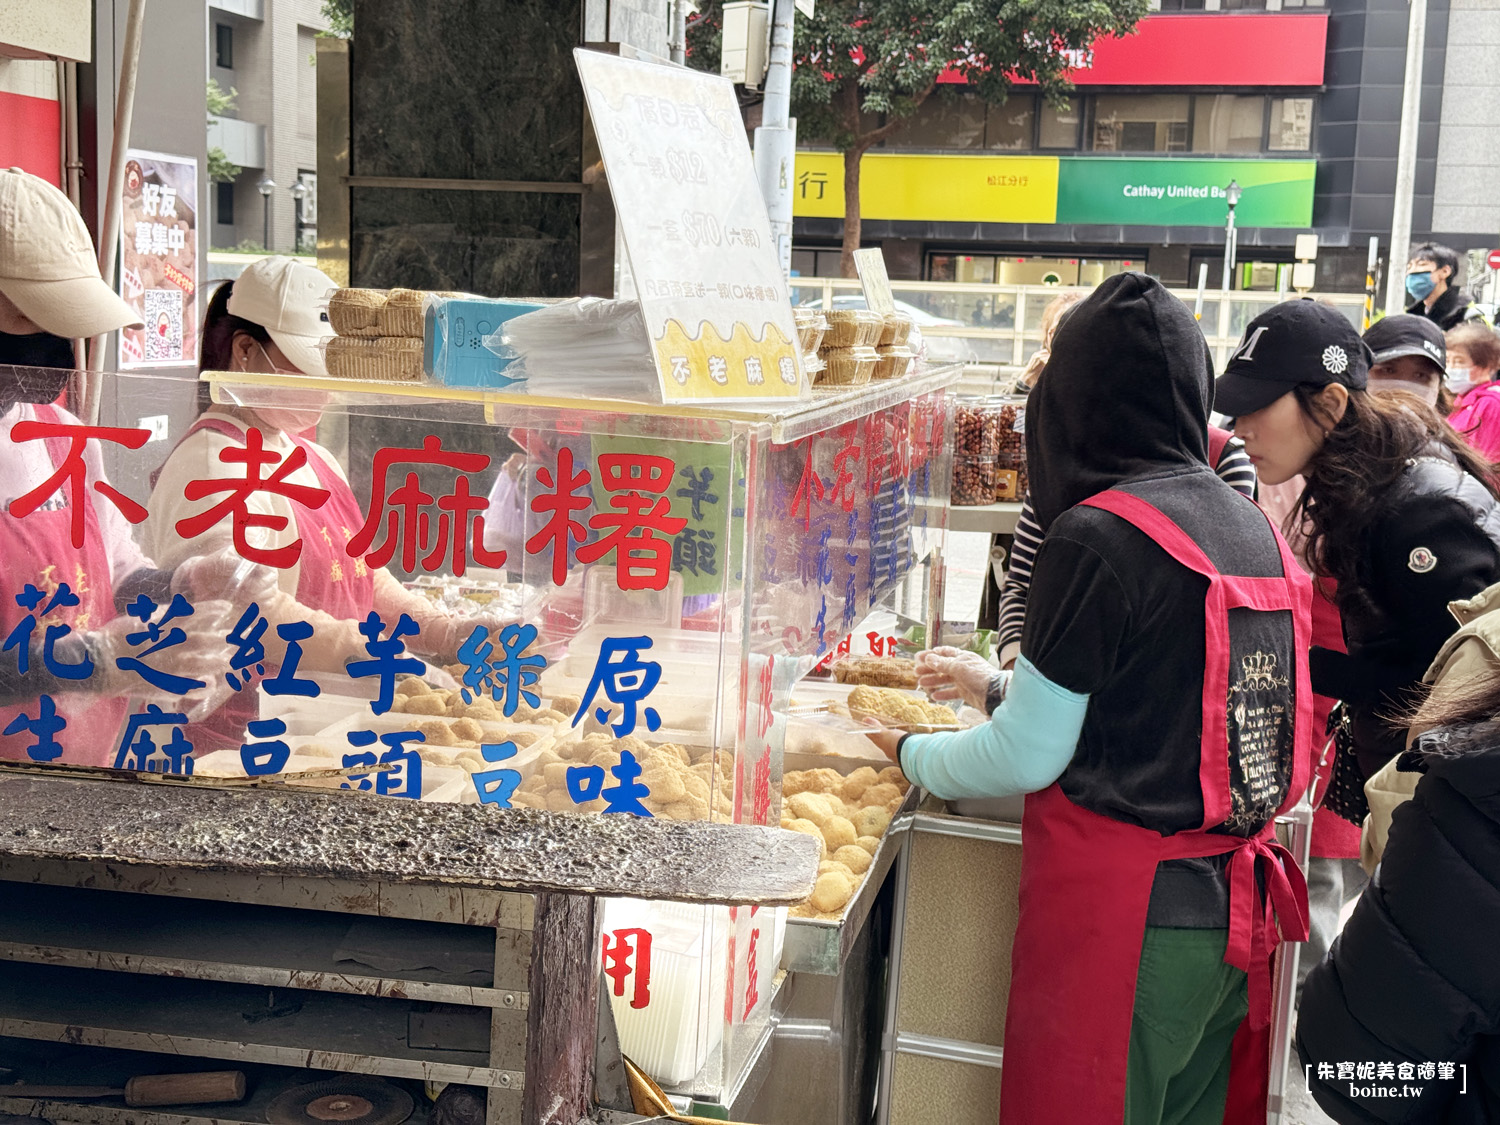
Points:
[[265, 50], [1298, 106]]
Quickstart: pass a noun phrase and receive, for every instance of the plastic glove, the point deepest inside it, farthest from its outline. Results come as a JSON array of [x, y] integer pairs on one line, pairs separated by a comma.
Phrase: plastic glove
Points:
[[201, 655], [224, 575], [949, 673], [443, 633]]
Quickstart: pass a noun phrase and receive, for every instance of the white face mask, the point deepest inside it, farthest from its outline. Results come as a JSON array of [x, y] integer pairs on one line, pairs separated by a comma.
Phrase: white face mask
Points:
[[1460, 379], [1427, 392], [295, 410]]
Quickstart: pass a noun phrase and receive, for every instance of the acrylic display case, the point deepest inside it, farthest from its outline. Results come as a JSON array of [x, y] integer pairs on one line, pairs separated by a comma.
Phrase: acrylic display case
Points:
[[455, 595]]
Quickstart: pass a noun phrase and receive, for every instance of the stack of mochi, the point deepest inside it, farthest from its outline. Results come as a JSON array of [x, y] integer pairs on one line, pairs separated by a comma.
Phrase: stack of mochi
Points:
[[379, 335]]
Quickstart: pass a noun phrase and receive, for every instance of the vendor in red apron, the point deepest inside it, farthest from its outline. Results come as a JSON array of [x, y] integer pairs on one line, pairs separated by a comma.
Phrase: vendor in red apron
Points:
[[69, 575], [271, 319], [1158, 720]]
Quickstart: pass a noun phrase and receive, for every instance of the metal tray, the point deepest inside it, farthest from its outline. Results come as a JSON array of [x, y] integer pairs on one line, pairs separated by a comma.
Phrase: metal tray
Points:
[[820, 946]]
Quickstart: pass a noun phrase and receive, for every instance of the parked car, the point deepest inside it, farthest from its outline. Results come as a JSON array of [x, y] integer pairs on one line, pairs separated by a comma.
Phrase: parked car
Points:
[[939, 348]]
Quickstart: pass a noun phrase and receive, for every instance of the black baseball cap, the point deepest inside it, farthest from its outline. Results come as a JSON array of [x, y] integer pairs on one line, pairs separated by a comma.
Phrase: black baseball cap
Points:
[[1404, 334], [1293, 344]]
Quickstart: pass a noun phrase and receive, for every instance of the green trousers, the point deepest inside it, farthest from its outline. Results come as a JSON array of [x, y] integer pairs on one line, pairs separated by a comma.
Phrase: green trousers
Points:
[[1188, 1006]]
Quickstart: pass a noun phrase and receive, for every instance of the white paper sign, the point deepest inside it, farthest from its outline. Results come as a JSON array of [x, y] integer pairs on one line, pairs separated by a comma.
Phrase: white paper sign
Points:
[[715, 302]]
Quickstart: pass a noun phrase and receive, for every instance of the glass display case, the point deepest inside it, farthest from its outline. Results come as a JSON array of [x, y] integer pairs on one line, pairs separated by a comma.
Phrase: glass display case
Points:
[[453, 595]]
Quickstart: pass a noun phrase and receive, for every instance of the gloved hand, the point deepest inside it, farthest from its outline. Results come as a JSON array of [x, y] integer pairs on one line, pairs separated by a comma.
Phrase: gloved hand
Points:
[[202, 655], [948, 673], [224, 575], [443, 633]]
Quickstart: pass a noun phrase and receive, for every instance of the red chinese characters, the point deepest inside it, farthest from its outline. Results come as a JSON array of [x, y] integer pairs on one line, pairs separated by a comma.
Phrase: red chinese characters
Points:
[[842, 492], [72, 471], [627, 952], [640, 526], [559, 503], [808, 488], [403, 514], [255, 458]]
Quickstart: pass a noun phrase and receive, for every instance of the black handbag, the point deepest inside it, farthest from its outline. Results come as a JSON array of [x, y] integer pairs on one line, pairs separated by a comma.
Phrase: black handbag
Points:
[[1344, 782]]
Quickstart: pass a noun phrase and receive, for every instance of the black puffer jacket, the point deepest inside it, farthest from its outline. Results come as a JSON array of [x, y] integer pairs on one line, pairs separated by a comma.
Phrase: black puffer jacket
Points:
[[1451, 309], [1415, 976], [1437, 541]]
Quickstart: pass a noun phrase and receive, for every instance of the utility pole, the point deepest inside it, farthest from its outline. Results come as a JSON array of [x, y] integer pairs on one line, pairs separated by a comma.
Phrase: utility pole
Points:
[[1406, 157], [776, 138]]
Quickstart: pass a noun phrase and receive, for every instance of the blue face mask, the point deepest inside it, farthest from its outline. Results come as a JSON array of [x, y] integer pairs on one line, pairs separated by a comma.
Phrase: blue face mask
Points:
[[1419, 285]]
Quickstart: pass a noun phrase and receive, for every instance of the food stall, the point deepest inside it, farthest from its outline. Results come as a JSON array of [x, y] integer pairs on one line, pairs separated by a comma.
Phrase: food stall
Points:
[[585, 601]]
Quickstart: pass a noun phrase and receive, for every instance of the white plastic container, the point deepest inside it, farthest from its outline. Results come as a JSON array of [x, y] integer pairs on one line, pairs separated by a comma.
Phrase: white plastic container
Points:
[[680, 1019]]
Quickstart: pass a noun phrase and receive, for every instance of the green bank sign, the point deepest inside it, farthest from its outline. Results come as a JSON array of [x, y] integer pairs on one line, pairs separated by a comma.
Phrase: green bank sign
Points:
[[1275, 193]]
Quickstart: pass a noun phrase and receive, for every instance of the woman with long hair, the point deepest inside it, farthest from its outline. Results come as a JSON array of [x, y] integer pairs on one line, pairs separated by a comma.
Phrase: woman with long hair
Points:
[[1400, 513], [271, 321]]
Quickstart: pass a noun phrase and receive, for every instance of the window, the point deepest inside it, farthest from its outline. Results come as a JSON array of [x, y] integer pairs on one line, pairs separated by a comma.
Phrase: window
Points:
[[1009, 126], [223, 46], [224, 203], [1243, 5], [1291, 125], [1181, 5], [1058, 127], [1141, 123], [1228, 122], [944, 122]]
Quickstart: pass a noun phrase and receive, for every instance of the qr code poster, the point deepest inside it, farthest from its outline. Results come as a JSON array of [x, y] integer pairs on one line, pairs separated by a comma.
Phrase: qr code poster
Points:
[[163, 316], [159, 260]]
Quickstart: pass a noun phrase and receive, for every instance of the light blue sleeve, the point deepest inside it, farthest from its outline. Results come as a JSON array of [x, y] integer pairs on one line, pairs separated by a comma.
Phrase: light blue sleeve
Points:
[[1024, 748]]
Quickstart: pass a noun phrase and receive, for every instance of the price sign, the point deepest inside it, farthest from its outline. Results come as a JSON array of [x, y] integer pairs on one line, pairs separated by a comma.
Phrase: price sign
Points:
[[870, 265], [706, 271]]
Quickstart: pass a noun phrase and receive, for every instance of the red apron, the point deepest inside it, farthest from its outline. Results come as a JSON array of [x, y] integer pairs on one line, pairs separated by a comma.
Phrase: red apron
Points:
[[39, 550], [1086, 883], [329, 580]]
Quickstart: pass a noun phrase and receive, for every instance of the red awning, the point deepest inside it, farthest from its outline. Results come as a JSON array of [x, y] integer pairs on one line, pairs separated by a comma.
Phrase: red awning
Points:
[[1211, 49]]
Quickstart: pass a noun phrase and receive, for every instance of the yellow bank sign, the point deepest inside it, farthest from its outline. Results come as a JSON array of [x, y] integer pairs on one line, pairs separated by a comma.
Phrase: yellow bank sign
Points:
[[963, 189]]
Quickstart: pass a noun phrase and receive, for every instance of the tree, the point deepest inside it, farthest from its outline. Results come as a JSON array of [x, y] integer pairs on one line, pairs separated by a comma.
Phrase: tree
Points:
[[221, 170], [862, 67], [340, 17]]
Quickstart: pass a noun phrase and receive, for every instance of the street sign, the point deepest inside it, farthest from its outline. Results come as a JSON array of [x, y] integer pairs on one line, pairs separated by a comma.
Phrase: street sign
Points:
[[806, 7], [1492, 259]]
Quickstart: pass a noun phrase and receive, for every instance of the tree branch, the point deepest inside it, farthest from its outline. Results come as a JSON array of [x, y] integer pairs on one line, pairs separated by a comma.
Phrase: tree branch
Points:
[[875, 136]]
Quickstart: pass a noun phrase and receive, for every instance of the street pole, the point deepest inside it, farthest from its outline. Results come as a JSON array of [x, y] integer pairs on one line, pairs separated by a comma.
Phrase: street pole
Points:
[[678, 43], [776, 138], [1406, 156], [1228, 249], [1370, 265]]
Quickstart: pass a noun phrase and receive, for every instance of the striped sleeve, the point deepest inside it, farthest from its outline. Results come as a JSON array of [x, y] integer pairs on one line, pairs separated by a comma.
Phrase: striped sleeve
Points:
[[1012, 613], [1235, 470]]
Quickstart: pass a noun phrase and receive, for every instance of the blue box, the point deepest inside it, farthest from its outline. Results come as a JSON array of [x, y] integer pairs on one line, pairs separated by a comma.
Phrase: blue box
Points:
[[453, 351]]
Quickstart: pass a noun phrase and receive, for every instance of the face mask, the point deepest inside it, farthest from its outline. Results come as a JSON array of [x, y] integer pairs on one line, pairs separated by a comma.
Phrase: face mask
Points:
[[295, 411], [38, 349], [1459, 379], [1419, 285], [1427, 392]]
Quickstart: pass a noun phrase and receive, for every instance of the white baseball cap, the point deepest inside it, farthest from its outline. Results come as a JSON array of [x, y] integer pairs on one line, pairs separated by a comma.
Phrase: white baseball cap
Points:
[[290, 301], [48, 269]]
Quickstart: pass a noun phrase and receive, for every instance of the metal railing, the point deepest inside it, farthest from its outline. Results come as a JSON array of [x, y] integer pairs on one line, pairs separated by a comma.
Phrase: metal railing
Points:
[[1001, 325]]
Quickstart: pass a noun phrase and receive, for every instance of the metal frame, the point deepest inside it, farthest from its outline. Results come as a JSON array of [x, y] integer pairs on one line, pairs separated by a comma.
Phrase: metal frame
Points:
[[1298, 824]]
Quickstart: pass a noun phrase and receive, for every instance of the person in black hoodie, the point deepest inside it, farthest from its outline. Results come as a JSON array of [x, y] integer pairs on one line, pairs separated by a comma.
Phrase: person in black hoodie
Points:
[[1431, 278], [1412, 986], [1402, 513], [1153, 728]]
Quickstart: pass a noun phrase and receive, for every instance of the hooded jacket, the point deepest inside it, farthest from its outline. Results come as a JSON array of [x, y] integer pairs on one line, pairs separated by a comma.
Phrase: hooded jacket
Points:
[[1448, 311], [1414, 979], [1125, 404]]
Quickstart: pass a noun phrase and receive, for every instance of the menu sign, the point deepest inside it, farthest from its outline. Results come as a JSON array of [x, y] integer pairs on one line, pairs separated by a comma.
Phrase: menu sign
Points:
[[870, 265], [715, 302], [159, 260]]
